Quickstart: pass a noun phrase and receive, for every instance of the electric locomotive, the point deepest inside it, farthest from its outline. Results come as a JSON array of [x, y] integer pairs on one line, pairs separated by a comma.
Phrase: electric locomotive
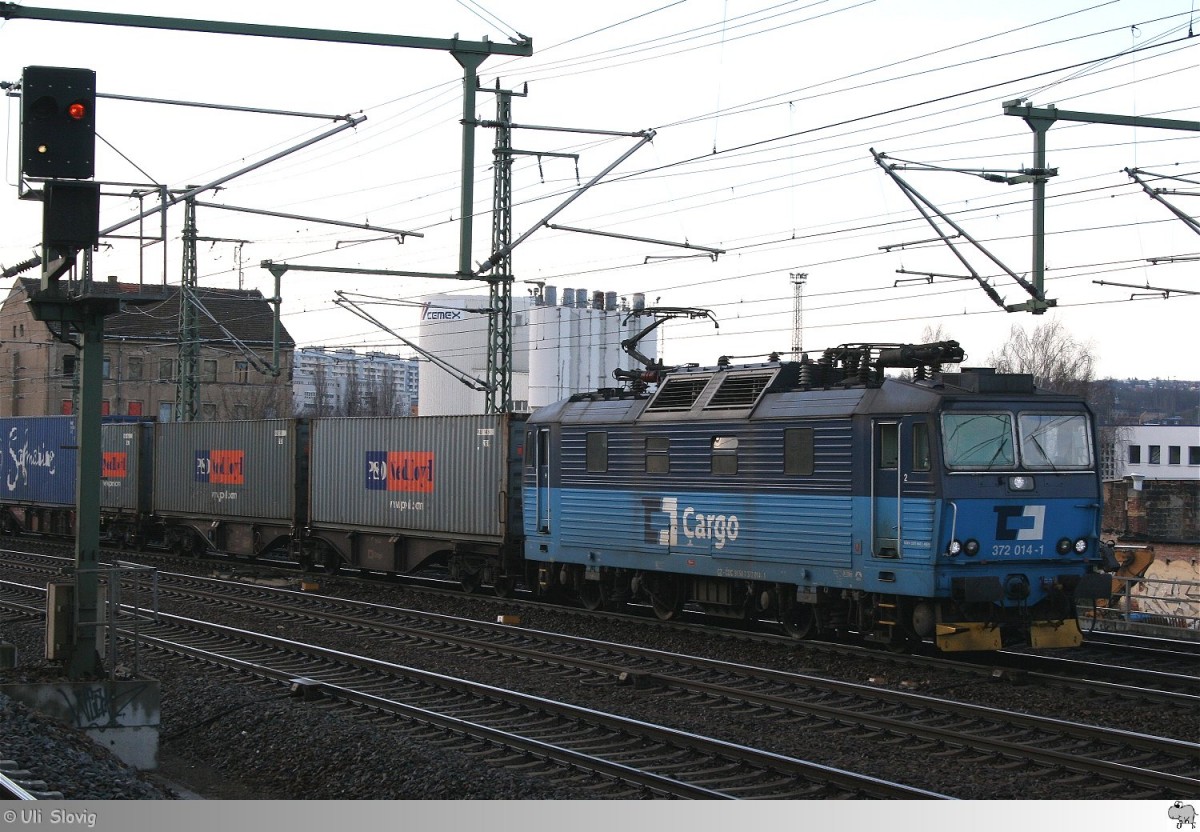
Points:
[[961, 507]]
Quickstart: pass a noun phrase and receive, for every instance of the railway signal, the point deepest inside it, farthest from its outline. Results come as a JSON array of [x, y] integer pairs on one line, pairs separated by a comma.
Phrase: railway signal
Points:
[[58, 122]]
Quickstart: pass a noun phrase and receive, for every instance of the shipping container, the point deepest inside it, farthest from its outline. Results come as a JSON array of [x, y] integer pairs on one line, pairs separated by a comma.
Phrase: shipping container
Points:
[[125, 479], [125, 467], [389, 493], [235, 484], [39, 458], [37, 474]]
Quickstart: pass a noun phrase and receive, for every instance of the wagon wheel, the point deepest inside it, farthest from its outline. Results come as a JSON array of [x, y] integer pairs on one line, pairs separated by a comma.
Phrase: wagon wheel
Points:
[[331, 562], [503, 587], [667, 598], [799, 620], [470, 582]]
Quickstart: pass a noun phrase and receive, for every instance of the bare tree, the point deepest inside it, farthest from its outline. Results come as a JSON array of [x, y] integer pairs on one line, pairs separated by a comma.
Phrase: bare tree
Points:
[[931, 334], [352, 404], [259, 400], [386, 400], [1055, 359], [321, 389]]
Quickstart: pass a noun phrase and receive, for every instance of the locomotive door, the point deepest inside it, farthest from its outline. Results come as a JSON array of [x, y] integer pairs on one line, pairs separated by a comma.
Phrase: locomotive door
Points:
[[542, 466], [885, 490], [901, 487]]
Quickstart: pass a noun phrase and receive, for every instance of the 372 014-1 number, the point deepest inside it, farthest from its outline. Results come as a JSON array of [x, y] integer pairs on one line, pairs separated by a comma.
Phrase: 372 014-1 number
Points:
[[1020, 550]]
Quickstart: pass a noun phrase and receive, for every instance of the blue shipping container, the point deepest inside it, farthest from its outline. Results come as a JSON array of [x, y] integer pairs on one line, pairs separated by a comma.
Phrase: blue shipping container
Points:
[[37, 461]]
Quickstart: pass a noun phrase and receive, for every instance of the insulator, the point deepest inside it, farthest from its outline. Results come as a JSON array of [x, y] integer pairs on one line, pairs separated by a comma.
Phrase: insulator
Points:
[[807, 371]]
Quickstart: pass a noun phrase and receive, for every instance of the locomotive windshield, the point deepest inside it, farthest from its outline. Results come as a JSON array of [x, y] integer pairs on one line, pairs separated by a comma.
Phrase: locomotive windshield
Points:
[[1055, 440], [978, 440], [1047, 441]]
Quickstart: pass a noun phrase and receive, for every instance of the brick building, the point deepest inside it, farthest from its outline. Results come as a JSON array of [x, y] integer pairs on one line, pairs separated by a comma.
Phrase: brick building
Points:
[[1153, 510], [141, 358]]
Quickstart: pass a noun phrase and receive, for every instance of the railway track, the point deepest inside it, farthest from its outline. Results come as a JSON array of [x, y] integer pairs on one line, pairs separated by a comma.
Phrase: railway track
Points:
[[632, 758], [1151, 766], [12, 788]]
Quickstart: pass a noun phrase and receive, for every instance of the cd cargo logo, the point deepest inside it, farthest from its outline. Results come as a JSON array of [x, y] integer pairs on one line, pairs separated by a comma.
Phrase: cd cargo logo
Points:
[[400, 471], [221, 467]]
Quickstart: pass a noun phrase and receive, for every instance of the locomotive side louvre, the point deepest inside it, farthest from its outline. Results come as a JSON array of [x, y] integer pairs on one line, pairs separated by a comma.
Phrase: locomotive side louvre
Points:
[[393, 494], [713, 498], [232, 485]]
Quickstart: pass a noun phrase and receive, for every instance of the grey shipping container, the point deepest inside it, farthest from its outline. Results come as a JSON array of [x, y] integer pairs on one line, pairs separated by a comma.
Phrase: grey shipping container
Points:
[[229, 485], [440, 475], [244, 469], [125, 468], [398, 494]]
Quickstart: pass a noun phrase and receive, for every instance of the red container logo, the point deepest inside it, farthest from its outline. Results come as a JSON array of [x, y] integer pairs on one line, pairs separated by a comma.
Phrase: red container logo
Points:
[[221, 467], [400, 471], [113, 465]]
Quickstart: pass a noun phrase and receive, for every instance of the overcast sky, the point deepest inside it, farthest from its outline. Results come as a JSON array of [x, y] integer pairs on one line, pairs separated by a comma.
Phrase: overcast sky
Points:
[[765, 115]]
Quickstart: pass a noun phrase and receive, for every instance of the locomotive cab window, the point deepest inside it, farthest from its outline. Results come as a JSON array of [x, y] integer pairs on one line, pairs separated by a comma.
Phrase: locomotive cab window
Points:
[[888, 441], [658, 458], [920, 443], [798, 451], [597, 452], [724, 455], [978, 440]]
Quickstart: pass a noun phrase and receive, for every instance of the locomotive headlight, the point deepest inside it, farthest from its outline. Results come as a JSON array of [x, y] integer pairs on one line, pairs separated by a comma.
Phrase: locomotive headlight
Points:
[[1081, 545], [1020, 483], [954, 548], [1063, 546], [971, 547]]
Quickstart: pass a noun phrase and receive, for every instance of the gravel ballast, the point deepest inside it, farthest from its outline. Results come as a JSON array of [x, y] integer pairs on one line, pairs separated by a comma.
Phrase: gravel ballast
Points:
[[226, 739]]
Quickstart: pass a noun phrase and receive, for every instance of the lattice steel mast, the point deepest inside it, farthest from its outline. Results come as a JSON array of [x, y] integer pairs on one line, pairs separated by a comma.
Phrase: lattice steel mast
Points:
[[798, 281]]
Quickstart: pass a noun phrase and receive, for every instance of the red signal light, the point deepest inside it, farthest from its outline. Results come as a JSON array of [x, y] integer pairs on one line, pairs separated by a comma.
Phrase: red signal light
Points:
[[76, 111]]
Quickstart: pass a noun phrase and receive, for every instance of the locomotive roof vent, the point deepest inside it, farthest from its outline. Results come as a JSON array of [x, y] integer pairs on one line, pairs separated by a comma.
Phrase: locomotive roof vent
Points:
[[678, 392], [740, 391]]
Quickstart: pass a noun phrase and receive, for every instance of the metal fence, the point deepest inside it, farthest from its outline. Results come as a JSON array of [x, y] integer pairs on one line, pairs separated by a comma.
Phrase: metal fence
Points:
[[130, 593], [1147, 606]]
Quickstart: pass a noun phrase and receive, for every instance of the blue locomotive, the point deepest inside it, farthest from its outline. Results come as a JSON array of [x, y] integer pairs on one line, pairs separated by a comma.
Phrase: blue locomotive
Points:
[[958, 506]]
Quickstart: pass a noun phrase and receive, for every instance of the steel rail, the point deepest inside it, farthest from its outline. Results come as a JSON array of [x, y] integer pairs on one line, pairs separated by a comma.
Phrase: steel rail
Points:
[[770, 764]]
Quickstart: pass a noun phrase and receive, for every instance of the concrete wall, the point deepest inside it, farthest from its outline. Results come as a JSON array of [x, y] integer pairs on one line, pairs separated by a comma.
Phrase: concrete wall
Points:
[[123, 716]]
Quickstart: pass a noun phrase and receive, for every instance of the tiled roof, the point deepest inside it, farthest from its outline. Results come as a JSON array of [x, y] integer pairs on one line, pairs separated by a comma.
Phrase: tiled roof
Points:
[[245, 313]]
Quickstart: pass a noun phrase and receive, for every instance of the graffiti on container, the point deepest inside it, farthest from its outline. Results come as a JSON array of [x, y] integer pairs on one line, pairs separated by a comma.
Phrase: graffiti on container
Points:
[[24, 457]]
